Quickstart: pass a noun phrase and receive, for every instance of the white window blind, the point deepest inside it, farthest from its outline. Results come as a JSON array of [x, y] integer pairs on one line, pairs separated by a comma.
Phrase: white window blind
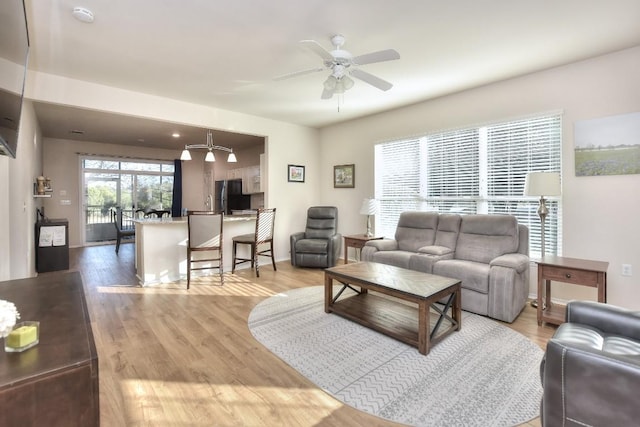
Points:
[[475, 170]]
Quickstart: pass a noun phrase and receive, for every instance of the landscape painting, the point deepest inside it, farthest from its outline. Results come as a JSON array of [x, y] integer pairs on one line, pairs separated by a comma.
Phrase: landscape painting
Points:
[[608, 145]]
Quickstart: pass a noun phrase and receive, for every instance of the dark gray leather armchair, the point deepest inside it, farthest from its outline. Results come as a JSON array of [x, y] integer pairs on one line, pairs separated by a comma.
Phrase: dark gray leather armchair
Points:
[[591, 369], [319, 245]]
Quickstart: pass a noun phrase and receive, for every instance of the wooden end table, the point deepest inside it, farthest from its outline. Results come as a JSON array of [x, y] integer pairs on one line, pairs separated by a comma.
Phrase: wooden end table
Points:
[[568, 270], [356, 241]]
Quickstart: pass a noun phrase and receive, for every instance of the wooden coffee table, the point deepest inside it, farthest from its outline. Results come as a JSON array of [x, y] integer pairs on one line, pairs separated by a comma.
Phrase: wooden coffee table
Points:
[[402, 303]]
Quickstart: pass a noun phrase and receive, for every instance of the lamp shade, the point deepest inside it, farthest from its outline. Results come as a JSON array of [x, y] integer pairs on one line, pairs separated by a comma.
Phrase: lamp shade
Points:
[[185, 155], [232, 158], [542, 184], [210, 157], [369, 207]]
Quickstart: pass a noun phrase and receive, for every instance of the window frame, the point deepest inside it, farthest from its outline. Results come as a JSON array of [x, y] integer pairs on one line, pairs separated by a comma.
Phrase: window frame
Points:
[[505, 151]]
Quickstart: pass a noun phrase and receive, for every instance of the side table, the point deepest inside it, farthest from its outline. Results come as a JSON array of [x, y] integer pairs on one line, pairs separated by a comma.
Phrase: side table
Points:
[[568, 270], [356, 241]]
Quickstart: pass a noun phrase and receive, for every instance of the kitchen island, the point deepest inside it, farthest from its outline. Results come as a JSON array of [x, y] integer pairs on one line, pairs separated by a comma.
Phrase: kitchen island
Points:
[[161, 246]]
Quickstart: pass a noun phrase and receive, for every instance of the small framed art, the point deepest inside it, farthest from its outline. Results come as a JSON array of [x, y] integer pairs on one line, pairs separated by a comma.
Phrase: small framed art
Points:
[[295, 173], [344, 176]]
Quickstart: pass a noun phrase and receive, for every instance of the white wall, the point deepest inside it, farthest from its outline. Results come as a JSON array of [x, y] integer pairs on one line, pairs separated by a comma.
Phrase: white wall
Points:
[[285, 143], [600, 213], [17, 204]]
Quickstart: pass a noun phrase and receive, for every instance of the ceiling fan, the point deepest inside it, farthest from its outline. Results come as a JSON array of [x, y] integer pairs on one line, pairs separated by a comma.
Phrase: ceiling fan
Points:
[[342, 64]]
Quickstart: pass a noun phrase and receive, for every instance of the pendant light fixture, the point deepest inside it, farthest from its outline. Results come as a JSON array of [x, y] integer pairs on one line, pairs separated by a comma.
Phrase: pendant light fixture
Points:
[[210, 157]]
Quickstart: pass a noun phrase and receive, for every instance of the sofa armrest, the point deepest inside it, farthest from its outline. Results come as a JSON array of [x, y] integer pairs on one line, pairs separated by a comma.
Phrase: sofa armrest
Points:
[[383, 244], [588, 387], [607, 318], [435, 250], [297, 236], [516, 261], [335, 245]]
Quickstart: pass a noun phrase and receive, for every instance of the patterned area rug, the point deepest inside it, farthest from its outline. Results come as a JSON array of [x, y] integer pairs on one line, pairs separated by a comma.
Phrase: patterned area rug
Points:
[[484, 375]]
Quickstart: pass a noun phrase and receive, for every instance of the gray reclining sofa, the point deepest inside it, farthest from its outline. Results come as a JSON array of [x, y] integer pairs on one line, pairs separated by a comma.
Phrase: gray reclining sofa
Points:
[[488, 253]]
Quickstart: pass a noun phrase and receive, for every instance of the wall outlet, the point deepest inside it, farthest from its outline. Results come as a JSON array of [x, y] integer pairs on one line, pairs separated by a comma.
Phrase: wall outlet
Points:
[[626, 269]]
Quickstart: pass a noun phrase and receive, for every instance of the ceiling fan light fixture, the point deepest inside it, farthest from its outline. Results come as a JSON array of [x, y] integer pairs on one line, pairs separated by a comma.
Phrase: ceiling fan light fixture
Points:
[[210, 157], [330, 83], [347, 82]]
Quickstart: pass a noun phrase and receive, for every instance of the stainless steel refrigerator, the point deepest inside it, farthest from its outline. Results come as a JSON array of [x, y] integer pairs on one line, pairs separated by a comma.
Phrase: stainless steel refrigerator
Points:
[[228, 197]]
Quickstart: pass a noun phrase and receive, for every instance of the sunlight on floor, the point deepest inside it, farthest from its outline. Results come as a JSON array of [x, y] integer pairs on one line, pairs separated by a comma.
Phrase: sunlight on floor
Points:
[[168, 403], [208, 285]]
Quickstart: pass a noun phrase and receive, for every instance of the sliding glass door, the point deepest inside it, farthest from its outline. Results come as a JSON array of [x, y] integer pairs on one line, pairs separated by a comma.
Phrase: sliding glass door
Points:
[[135, 186]]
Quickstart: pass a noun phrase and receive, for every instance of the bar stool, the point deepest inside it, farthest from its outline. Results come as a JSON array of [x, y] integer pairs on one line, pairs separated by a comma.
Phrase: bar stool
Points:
[[265, 221], [205, 234]]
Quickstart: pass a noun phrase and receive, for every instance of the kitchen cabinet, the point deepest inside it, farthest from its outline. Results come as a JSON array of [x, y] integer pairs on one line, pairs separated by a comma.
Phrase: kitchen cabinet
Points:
[[251, 180], [263, 173]]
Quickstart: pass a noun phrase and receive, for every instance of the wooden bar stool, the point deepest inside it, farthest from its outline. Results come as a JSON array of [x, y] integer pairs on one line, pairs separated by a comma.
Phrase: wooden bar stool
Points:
[[265, 221]]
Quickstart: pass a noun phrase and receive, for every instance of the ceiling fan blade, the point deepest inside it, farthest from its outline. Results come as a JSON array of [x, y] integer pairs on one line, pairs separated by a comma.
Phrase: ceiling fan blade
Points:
[[327, 94], [379, 56], [317, 48], [299, 73], [371, 79]]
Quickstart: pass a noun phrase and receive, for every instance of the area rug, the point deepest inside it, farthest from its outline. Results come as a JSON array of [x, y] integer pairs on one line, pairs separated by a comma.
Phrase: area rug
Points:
[[483, 375]]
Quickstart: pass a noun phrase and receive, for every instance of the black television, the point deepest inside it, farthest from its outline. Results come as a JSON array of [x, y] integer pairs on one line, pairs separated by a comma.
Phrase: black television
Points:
[[14, 52]]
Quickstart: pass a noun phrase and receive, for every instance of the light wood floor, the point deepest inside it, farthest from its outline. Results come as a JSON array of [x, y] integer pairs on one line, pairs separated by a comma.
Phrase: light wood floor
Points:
[[172, 357]]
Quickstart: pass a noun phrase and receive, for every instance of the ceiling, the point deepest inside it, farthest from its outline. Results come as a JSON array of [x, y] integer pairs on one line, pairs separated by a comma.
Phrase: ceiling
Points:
[[226, 54]]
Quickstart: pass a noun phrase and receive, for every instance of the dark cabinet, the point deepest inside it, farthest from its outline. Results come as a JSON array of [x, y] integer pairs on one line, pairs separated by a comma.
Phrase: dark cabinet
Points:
[[52, 245], [54, 383]]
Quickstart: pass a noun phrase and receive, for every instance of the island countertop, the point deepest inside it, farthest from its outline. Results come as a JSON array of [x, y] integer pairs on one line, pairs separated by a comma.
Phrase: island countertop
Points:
[[183, 219], [161, 246]]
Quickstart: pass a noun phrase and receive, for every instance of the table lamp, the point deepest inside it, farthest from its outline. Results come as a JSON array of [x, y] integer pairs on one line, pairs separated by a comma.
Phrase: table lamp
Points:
[[368, 208]]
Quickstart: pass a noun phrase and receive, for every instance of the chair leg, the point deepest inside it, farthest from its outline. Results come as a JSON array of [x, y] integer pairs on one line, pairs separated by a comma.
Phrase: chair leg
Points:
[[117, 244], [233, 256], [273, 258], [188, 273], [254, 258]]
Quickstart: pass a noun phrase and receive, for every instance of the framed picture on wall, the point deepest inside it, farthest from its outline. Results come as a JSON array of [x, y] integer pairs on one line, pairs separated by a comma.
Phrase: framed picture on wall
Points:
[[344, 176], [295, 173]]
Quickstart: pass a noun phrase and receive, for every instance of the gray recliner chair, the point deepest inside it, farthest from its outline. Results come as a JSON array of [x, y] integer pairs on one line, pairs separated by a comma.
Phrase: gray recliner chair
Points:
[[591, 370], [319, 245]]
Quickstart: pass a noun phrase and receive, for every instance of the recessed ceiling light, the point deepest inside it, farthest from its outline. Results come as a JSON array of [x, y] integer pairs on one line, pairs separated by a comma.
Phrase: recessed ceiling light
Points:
[[82, 14], [175, 135]]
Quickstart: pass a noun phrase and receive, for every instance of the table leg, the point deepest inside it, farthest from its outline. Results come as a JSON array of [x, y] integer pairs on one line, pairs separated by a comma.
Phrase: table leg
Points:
[[457, 308], [346, 254], [547, 294], [328, 293], [423, 327]]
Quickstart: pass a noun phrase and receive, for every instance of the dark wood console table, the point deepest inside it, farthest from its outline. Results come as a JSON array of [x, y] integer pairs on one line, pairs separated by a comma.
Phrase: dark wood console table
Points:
[[568, 270], [54, 383]]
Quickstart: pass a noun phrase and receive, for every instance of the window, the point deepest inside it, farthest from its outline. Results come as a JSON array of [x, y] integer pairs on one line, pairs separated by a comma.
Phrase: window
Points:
[[475, 170], [130, 184]]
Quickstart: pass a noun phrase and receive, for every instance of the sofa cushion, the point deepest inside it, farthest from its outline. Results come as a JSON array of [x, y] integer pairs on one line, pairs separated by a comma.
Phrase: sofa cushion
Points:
[[312, 246], [322, 222], [448, 229], [395, 258], [473, 275], [485, 237], [416, 229], [435, 250]]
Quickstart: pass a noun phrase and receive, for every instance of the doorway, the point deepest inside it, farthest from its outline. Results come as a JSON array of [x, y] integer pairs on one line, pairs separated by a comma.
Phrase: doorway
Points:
[[135, 186]]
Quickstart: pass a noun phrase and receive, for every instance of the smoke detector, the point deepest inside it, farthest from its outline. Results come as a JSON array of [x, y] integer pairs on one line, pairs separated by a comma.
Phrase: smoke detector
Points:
[[82, 14]]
